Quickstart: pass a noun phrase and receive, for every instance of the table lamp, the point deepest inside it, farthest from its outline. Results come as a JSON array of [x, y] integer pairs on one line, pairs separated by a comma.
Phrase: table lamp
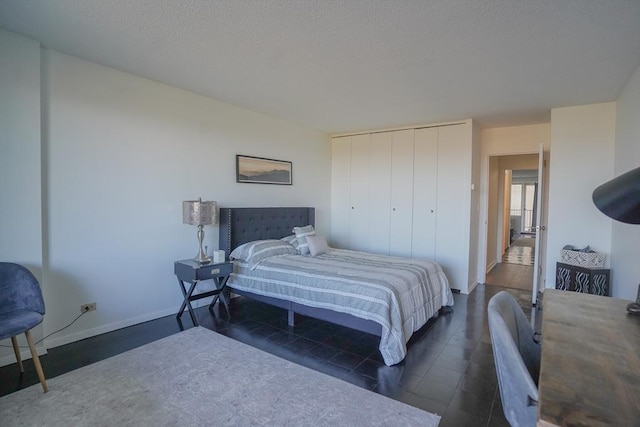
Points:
[[200, 213], [620, 199]]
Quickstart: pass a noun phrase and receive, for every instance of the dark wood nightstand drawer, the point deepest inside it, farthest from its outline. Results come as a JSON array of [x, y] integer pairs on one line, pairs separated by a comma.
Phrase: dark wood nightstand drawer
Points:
[[189, 270], [214, 270]]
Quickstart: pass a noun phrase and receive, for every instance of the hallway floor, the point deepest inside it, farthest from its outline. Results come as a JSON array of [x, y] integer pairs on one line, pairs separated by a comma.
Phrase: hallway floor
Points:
[[522, 255], [521, 251], [514, 276]]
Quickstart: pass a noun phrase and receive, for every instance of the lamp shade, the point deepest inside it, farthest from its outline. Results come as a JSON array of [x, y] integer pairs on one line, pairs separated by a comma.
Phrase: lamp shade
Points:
[[620, 198], [199, 212]]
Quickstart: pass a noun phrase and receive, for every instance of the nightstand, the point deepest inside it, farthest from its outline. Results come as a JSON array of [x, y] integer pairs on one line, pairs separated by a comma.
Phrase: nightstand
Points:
[[191, 271]]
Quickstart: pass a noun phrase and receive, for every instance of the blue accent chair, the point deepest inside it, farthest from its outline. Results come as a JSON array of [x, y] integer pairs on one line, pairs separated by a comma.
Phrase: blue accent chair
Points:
[[21, 308], [517, 358]]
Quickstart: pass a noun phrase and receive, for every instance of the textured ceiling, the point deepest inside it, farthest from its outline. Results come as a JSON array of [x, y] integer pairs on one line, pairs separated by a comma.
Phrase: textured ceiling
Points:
[[351, 65]]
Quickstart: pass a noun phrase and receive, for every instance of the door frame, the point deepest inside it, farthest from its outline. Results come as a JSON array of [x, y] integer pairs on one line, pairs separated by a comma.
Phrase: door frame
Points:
[[540, 228], [484, 208]]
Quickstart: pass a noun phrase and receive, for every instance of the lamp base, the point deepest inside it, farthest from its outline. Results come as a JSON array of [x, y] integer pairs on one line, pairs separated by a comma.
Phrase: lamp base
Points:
[[634, 308], [202, 257]]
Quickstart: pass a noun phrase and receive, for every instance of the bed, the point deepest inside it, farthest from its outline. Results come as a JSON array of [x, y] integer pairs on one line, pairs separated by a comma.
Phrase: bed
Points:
[[390, 297]]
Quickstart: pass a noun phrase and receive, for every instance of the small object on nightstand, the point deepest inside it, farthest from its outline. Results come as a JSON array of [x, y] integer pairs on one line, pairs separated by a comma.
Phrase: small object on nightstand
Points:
[[192, 271], [218, 256]]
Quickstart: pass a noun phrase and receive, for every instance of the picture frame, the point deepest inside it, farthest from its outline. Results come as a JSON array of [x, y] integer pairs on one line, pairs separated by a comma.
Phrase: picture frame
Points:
[[260, 170]]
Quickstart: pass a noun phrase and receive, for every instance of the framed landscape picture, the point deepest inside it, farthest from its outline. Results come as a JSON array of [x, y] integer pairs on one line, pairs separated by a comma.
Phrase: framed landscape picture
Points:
[[258, 170]]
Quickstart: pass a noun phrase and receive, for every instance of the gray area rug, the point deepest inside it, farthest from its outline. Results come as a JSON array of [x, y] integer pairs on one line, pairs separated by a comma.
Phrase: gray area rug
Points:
[[197, 378]]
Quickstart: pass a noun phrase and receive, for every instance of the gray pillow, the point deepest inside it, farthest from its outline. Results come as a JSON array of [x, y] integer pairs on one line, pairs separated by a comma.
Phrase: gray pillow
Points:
[[317, 245], [292, 240], [301, 234], [259, 250]]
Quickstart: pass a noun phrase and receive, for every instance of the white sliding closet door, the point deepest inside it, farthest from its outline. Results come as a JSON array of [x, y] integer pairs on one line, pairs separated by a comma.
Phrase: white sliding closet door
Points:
[[454, 200], [380, 192], [340, 191], [407, 193], [360, 171], [425, 192], [401, 193]]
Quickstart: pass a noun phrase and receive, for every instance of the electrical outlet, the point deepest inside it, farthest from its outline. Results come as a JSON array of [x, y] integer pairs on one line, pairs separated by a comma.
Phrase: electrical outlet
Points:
[[90, 306]]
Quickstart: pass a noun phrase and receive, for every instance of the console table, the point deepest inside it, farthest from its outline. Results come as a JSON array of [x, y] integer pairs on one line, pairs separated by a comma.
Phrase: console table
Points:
[[590, 365], [581, 279]]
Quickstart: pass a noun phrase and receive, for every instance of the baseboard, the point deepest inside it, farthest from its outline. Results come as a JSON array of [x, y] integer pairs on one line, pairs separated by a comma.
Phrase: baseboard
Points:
[[472, 286], [491, 265], [25, 354], [80, 335], [53, 342]]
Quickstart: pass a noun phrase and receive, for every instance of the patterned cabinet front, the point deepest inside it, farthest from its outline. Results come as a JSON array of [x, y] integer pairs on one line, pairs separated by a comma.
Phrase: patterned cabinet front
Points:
[[581, 279]]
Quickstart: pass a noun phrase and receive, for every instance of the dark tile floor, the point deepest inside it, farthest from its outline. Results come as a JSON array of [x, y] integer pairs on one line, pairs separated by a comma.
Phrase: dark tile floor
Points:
[[449, 368]]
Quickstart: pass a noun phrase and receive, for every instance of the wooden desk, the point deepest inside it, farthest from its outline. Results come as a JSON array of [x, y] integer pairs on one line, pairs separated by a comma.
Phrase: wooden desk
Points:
[[590, 367]]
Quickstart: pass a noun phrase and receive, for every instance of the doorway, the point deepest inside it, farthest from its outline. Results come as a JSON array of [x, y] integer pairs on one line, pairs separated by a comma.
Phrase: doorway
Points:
[[512, 220], [521, 218]]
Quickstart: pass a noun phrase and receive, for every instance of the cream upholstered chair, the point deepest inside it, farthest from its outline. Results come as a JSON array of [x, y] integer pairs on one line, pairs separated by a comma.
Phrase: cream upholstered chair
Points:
[[517, 359], [21, 308]]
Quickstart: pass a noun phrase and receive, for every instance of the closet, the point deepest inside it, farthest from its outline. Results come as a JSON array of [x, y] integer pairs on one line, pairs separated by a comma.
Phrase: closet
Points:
[[407, 193]]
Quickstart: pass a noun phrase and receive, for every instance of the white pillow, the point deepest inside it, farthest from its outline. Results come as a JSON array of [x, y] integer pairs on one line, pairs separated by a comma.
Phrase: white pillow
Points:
[[259, 250], [317, 245], [301, 234]]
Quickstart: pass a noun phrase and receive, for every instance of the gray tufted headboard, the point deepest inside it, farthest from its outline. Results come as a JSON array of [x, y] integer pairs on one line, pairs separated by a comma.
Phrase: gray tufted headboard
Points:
[[242, 225]]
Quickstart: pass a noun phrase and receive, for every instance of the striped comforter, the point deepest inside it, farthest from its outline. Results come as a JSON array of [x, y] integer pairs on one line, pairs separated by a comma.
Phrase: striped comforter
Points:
[[400, 294]]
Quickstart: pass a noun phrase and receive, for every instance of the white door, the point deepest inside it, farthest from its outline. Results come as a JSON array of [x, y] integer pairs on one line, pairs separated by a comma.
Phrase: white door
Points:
[[340, 191], [454, 203], [359, 215], [425, 186], [401, 193], [380, 192], [540, 228]]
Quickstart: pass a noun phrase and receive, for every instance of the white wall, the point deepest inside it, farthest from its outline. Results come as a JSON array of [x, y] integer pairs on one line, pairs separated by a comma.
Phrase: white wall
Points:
[[520, 163], [504, 141], [582, 147], [625, 239], [20, 182], [120, 154], [493, 211]]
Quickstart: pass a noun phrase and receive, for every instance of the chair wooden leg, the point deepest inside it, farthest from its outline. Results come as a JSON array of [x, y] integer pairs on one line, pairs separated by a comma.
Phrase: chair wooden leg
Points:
[[36, 361], [16, 350]]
